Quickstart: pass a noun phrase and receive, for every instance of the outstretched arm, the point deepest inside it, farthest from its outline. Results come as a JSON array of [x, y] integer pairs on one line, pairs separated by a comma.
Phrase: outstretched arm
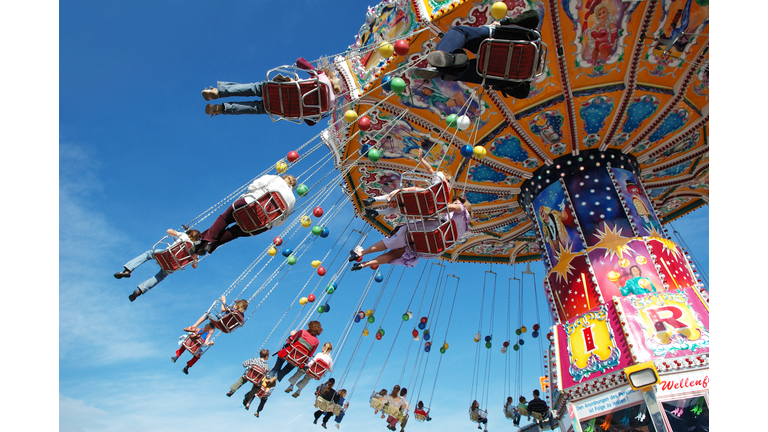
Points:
[[422, 161], [224, 304], [172, 232]]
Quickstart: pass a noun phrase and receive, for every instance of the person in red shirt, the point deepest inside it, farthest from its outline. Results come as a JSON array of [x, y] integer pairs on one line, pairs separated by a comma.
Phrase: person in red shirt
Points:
[[314, 329]]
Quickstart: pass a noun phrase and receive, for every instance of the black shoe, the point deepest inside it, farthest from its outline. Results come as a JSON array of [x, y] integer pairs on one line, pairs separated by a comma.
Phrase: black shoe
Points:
[[315, 422], [371, 213], [324, 426], [208, 248], [230, 393], [444, 59], [355, 253], [133, 295], [123, 274], [368, 202], [356, 266], [427, 74], [186, 370], [174, 358]]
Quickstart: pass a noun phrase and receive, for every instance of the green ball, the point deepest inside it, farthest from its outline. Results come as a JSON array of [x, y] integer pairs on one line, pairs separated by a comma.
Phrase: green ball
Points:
[[291, 260], [426, 331], [381, 332], [330, 290], [302, 189], [397, 85], [371, 319], [317, 230], [442, 350], [516, 347], [518, 332], [374, 155], [321, 309], [451, 120], [487, 344], [406, 317]]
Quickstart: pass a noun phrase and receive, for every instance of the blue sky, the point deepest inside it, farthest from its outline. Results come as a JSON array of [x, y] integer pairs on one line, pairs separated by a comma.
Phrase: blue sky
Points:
[[137, 155]]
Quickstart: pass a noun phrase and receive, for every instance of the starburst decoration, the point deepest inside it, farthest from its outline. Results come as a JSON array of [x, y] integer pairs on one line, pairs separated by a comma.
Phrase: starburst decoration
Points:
[[612, 241], [669, 245], [564, 256]]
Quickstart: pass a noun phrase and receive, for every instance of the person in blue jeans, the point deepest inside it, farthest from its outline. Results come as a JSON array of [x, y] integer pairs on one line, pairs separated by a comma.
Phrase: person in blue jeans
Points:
[[191, 236], [451, 62]]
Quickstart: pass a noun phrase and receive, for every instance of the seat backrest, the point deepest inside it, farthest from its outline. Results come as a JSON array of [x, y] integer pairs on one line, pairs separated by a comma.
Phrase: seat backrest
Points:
[[434, 242], [175, 257], [296, 99], [255, 373], [514, 61], [523, 411], [318, 369], [258, 214], [229, 322], [537, 415], [298, 352], [193, 343], [426, 202]]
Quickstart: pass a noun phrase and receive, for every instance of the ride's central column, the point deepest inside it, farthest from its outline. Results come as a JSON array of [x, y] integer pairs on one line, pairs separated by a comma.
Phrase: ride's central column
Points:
[[598, 233]]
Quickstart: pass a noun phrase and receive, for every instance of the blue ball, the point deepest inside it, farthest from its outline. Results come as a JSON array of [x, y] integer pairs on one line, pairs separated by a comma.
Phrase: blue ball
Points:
[[379, 277], [357, 318], [535, 334], [386, 83], [325, 233], [426, 336], [422, 326], [287, 252], [327, 307], [488, 338], [466, 151], [364, 149], [427, 348], [521, 342]]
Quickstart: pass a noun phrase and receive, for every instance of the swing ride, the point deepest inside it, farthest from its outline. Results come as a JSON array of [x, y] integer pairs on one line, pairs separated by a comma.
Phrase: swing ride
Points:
[[611, 143]]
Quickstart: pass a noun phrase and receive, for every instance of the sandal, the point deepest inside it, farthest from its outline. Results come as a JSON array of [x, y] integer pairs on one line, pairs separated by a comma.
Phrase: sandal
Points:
[[214, 109], [190, 329]]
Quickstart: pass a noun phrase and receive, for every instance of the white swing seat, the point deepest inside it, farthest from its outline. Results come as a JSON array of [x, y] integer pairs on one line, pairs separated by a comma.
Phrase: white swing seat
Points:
[[539, 419], [173, 257], [394, 412], [256, 217], [515, 61], [296, 100], [298, 352], [377, 404], [475, 417], [317, 370], [255, 374], [324, 405]]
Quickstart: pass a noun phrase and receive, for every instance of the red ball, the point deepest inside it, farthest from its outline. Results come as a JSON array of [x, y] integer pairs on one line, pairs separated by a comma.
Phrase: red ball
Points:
[[378, 336], [311, 298], [293, 156], [277, 241], [415, 332], [364, 123], [359, 259], [318, 212], [321, 271], [401, 47], [374, 266], [424, 320]]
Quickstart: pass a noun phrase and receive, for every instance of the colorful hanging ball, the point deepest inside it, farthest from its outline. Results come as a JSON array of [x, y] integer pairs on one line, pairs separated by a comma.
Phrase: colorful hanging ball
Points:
[[417, 337], [518, 332], [536, 327], [350, 116], [327, 307], [330, 289], [427, 348], [378, 336], [516, 347], [379, 277], [463, 122], [364, 149], [426, 336], [427, 343], [521, 342], [524, 329], [357, 319], [302, 190], [374, 266], [421, 326], [425, 331], [381, 331], [406, 317], [371, 319], [503, 350], [364, 123], [442, 350], [479, 152], [466, 151], [451, 120], [334, 285], [271, 251], [368, 312], [445, 345], [318, 212], [291, 260], [316, 264], [359, 259], [398, 85], [488, 338], [293, 156], [415, 333], [401, 47], [498, 10], [506, 344], [326, 232], [311, 298], [386, 49], [303, 301], [361, 314], [281, 166], [287, 252], [277, 241], [410, 314], [317, 230], [374, 155], [385, 83], [321, 309], [365, 332], [535, 334], [306, 221], [487, 344], [478, 337], [423, 319], [321, 271]]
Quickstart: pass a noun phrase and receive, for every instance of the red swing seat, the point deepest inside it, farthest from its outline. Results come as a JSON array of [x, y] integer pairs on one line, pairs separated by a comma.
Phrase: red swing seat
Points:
[[229, 321], [432, 242], [193, 343], [512, 60], [255, 374], [174, 256], [260, 394], [424, 203], [298, 353], [258, 216], [296, 100], [317, 370]]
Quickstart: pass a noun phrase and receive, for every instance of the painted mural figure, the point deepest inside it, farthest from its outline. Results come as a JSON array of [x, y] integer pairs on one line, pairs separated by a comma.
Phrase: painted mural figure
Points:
[[637, 284], [601, 37], [553, 226], [640, 207]]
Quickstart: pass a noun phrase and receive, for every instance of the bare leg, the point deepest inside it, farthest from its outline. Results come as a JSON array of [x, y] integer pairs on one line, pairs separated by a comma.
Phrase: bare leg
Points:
[[197, 323], [376, 247], [385, 258]]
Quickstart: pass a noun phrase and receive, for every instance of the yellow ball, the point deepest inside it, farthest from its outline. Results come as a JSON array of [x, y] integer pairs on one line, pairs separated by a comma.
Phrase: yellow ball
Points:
[[624, 263], [524, 329], [365, 332], [316, 263], [281, 166], [479, 152], [498, 10], [272, 251], [306, 221], [368, 313], [303, 301], [350, 116], [445, 345], [386, 49]]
